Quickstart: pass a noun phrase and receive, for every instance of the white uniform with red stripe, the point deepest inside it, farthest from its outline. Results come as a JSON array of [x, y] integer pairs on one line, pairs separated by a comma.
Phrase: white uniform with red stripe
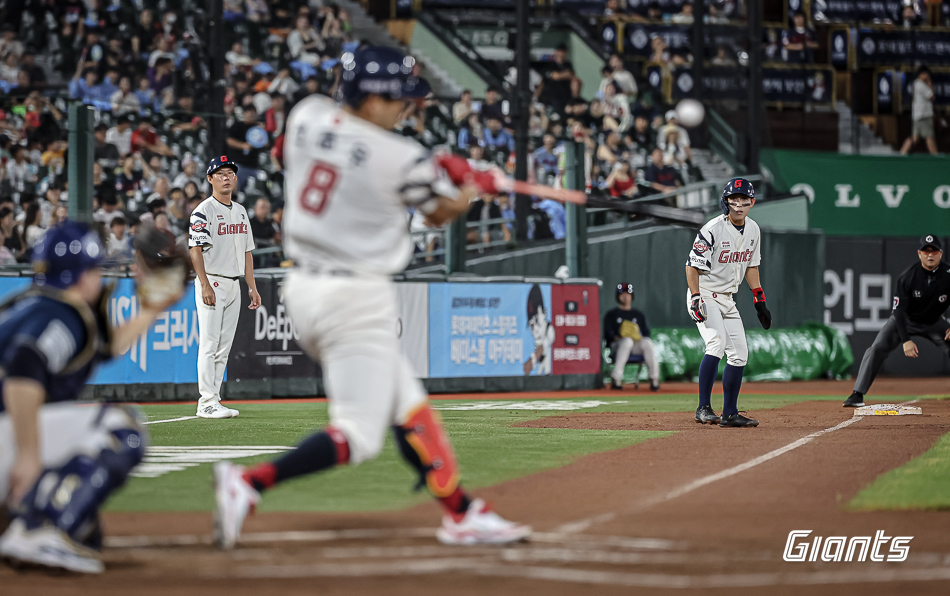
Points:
[[722, 253], [224, 234], [347, 188]]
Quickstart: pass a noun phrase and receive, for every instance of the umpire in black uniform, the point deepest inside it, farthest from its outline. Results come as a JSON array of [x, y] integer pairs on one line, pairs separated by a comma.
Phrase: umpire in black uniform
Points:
[[923, 295]]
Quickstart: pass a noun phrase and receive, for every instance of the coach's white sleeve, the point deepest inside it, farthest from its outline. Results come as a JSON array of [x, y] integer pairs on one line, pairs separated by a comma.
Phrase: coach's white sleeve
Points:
[[199, 233]]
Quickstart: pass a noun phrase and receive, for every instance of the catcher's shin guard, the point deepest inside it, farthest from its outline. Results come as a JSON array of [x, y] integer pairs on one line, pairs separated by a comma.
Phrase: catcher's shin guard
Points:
[[424, 444], [70, 496]]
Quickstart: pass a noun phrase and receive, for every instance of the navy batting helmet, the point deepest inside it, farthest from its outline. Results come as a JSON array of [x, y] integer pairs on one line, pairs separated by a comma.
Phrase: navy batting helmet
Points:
[[379, 70], [624, 288], [64, 253], [736, 186]]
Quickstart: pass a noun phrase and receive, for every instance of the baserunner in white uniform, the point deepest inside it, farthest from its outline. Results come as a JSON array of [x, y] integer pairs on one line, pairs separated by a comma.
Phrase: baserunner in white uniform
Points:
[[349, 181], [220, 243], [726, 250]]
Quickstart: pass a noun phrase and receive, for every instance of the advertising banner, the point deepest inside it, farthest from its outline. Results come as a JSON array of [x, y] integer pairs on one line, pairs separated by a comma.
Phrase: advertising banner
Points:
[[854, 195], [853, 10], [811, 84], [903, 46], [168, 353], [499, 330]]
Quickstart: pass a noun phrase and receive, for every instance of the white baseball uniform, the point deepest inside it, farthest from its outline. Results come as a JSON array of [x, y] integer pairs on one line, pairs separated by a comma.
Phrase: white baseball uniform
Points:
[[224, 233], [722, 253], [348, 184]]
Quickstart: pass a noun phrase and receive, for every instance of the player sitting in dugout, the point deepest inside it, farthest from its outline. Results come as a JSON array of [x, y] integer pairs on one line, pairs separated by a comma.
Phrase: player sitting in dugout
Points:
[[627, 332]]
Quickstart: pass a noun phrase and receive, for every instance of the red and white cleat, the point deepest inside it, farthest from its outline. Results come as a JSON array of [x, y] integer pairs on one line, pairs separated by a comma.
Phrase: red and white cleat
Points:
[[481, 525], [234, 499]]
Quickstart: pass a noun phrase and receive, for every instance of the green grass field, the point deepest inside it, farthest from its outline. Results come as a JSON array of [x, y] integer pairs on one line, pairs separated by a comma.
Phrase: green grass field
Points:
[[490, 450]]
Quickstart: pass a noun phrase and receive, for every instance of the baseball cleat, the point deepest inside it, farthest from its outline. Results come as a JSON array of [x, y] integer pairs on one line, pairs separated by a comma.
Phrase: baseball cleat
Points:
[[47, 546], [855, 400], [480, 525], [705, 415], [737, 421], [654, 385], [616, 384], [216, 411], [234, 498]]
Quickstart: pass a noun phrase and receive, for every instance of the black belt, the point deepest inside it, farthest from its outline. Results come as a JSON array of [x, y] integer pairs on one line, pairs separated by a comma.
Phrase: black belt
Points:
[[224, 276]]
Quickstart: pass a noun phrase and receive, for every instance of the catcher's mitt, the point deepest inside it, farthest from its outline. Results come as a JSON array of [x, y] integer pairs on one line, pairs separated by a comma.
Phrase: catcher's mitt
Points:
[[162, 267]]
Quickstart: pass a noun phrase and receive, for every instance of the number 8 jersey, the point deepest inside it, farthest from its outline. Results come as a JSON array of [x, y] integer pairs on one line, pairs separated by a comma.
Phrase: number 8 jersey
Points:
[[347, 185]]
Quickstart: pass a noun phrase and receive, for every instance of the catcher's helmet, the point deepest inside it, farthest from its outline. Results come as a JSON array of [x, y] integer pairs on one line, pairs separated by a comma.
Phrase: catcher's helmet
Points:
[[64, 253], [379, 70], [625, 288], [736, 186]]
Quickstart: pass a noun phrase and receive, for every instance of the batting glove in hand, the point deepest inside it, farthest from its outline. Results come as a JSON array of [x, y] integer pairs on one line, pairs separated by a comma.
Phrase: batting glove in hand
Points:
[[697, 308], [758, 299]]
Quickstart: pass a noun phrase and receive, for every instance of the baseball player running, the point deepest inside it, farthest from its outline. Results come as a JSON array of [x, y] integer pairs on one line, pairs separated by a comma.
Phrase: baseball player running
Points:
[[59, 462], [220, 243], [921, 301], [726, 250], [348, 183]]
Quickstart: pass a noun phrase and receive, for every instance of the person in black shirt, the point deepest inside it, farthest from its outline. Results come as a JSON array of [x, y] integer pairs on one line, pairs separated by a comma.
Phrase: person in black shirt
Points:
[[107, 154], [923, 295], [626, 332], [246, 139], [560, 82]]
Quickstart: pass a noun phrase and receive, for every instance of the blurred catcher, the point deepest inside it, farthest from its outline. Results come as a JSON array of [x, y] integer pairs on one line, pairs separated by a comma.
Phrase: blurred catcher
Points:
[[60, 461]]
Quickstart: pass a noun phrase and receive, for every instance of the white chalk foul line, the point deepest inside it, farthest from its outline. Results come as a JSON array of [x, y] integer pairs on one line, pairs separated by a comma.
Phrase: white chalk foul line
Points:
[[583, 524], [171, 420]]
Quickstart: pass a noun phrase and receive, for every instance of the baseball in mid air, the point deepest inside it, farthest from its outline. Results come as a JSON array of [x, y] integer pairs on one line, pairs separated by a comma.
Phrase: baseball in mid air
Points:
[[690, 113]]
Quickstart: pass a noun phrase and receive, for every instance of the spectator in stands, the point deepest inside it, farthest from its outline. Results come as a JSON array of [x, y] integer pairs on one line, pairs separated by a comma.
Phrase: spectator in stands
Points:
[[107, 154], [612, 8], [156, 203], [118, 244], [161, 222], [32, 225], [146, 96], [617, 113], [285, 84], [661, 176], [276, 115], [545, 160], [557, 217], [471, 133], [160, 81], [681, 138], [560, 82], [610, 151], [922, 113], [108, 210], [120, 135], [12, 236], [7, 225], [262, 226], [85, 87], [184, 118], [310, 86], [492, 106], [10, 69], [246, 138], [463, 107], [124, 101], [178, 213], [496, 137], [145, 141], [129, 181], [304, 43], [620, 182], [237, 57], [9, 44], [277, 214], [20, 172], [192, 193], [538, 120], [162, 50], [715, 14], [722, 57], [622, 76], [685, 15], [799, 42], [643, 137], [654, 12], [189, 173]]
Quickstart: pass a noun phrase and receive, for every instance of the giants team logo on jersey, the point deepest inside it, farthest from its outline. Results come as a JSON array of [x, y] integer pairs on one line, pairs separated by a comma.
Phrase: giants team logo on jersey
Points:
[[701, 246], [735, 257], [225, 229], [199, 226]]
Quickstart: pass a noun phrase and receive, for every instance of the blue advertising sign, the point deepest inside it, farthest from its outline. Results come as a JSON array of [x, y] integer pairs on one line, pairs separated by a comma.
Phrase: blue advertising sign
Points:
[[168, 353], [484, 330]]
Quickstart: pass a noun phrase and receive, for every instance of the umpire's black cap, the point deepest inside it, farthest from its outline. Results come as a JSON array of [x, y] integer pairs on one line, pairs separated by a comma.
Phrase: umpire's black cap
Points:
[[218, 162], [930, 240]]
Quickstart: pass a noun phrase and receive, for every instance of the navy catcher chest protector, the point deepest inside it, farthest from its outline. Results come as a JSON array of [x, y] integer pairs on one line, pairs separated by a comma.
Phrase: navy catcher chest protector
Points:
[[736, 186]]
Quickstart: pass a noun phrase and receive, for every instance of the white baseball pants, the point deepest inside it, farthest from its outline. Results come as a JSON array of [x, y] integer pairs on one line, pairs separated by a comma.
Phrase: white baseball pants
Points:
[[348, 324], [723, 331], [626, 346], [216, 327]]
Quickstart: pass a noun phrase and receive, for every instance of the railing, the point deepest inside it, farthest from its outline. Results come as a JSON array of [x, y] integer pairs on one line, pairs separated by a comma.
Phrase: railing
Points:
[[724, 141]]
